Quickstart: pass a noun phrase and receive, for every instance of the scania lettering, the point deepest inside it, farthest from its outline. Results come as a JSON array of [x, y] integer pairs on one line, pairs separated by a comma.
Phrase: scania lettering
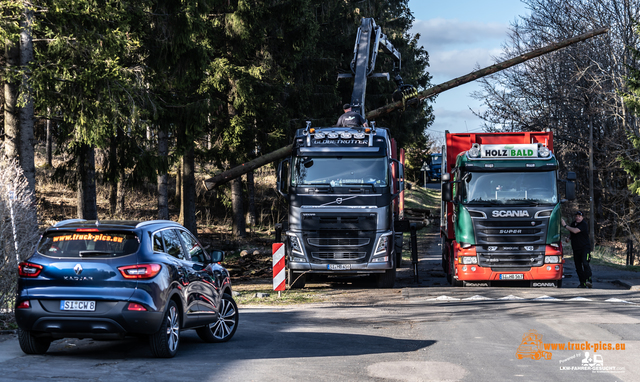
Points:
[[501, 209]]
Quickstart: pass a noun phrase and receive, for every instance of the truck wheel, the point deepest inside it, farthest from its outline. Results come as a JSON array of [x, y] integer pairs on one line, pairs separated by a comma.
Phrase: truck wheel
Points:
[[398, 247], [559, 284], [296, 280], [457, 283], [32, 345], [386, 279]]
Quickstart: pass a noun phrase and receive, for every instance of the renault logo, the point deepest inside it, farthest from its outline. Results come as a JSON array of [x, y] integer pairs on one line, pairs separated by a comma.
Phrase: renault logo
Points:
[[78, 269]]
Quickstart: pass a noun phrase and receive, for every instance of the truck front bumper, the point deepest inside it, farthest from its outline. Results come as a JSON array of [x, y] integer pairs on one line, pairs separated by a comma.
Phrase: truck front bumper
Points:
[[476, 273], [361, 268]]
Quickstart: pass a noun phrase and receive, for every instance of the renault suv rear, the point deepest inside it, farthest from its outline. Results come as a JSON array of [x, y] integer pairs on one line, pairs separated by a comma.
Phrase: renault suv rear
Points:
[[111, 279]]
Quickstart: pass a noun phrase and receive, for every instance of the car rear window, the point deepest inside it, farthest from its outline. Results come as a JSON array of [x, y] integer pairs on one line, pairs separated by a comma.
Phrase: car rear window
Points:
[[88, 244]]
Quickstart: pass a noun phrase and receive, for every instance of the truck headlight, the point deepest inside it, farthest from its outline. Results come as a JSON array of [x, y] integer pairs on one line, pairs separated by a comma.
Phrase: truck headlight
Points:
[[468, 260], [295, 244], [552, 259], [383, 244]]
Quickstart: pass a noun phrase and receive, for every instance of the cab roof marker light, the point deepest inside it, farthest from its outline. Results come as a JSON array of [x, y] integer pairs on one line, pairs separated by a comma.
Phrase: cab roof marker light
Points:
[[474, 151], [543, 151]]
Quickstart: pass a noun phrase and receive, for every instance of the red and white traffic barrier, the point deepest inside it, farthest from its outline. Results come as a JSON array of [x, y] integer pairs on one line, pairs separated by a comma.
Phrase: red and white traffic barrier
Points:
[[278, 266]]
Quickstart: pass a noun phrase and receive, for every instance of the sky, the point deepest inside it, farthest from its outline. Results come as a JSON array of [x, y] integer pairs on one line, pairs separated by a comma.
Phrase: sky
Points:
[[459, 36]]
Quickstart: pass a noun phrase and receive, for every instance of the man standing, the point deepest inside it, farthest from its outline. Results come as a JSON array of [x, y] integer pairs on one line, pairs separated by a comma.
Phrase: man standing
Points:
[[579, 235], [350, 118]]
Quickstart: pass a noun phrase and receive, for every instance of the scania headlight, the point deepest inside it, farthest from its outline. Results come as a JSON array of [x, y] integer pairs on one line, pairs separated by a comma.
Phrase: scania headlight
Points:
[[551, 259], [468, 260], [383, 244]]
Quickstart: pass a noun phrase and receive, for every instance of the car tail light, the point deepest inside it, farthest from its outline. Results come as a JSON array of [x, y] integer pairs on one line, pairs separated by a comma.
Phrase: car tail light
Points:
[[24, 305], [137, 307], [140, 271], [26, 269]]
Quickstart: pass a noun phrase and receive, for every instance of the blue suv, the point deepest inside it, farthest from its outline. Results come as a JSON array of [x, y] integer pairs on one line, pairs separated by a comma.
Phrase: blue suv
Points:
[[111, 279]]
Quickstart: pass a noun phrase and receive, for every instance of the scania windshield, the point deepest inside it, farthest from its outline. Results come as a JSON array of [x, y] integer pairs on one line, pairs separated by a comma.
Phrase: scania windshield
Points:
[[509, 188], [340, 171]]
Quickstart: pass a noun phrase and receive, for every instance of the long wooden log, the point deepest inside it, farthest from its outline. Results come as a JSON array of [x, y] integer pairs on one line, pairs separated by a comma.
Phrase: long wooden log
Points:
[[373, 114], [244, 168]]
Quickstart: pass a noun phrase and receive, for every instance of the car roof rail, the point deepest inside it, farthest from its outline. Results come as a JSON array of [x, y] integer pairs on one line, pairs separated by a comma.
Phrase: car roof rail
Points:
[[142, 224], [69, 221]]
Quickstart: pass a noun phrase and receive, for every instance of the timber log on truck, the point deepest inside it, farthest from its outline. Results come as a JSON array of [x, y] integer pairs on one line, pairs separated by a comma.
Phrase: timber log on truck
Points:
[[501, 213], [344, 187]]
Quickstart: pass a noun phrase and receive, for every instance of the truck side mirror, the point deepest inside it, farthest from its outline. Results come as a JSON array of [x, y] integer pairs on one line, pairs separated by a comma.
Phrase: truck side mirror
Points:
[[571, 175], [283, 176], [447, 191], [570, 190], [400, 179]]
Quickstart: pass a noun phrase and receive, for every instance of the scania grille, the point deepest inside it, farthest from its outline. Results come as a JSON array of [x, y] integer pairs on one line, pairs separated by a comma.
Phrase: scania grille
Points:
[[342, 242], [510, 244], [338, 255], [510, 232]]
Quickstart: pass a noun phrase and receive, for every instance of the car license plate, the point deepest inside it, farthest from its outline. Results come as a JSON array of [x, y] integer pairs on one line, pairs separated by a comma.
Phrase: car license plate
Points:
[[512, 276], [335, 267], [86, 306]]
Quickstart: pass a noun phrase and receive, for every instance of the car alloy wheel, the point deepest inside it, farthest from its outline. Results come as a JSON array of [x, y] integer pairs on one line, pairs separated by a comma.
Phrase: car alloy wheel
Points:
[[225, 327]]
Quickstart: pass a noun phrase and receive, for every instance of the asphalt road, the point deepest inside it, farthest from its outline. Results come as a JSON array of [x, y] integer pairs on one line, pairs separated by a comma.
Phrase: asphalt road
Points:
[[415, 332]]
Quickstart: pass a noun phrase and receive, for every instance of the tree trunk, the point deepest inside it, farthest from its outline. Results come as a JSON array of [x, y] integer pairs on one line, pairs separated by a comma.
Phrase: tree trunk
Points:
[[163, 176], [49, 143], [87, 208], [239, 226], [11, 124], [26, 112], [188, 204], [121, 177], [178, 199], [112, 177], [251, 190]]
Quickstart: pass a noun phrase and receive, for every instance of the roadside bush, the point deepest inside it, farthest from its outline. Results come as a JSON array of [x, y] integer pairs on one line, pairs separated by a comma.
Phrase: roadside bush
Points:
[[18, 228]]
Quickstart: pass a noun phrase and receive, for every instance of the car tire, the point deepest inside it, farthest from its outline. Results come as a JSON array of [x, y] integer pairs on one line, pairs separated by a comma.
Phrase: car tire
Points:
[[296, 280], [33, 345], [225, 327], [386, 279], [164, 343]]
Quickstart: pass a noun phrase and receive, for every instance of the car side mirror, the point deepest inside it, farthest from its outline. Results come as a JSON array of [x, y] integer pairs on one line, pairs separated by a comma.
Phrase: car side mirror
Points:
[[217, 256]]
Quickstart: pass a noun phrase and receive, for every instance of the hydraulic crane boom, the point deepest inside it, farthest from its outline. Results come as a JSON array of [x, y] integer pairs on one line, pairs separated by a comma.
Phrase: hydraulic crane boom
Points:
[[365, 53]]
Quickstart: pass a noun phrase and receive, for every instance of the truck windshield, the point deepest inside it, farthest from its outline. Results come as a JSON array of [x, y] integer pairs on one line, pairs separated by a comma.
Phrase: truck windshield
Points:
[[509, 187], [337, 171], [436, 159]]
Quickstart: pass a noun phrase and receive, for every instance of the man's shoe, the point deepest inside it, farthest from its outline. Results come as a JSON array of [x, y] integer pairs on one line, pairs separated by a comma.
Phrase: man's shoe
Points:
[[582, 286], [589, 284]]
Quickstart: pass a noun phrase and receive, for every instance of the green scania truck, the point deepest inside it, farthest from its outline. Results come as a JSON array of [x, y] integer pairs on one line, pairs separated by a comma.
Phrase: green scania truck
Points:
[[501, 209]]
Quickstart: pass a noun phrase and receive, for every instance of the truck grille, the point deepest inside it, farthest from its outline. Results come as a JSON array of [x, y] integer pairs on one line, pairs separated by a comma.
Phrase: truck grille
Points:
[[502, 243], [338, 255], [343, 242]]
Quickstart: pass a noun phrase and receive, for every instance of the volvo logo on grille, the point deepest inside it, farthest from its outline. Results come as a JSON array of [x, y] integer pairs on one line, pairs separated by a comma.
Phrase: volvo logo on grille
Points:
[[510, 214], [339, 200], [78, 269]]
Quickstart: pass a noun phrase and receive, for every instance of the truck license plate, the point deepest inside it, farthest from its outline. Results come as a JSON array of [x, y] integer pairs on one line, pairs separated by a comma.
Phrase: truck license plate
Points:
[[87, 306], [512, 276], [334, 267]]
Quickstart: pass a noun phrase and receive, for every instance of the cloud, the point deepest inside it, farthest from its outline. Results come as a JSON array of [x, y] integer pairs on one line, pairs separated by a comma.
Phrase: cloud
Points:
[[438, 33], [448, 64]]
